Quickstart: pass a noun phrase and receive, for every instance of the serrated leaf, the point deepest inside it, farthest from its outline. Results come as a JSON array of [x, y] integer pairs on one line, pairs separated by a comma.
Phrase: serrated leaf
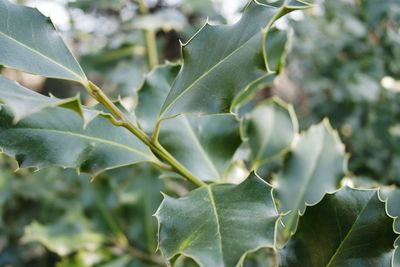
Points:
[[393, 208], [29, 42], [315, 166], [220, 61], [269, 130], [203, 144], [347, 228], [218, 225], [24, 102], [55, 136]]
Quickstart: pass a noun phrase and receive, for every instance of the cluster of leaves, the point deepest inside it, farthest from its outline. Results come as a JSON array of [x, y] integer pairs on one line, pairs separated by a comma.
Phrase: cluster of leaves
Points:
[[262, 193], [344, 76]]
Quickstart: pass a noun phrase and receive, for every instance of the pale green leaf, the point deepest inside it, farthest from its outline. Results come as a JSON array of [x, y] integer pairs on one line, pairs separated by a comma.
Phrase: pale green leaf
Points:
[[221, 61], [269, 130], [55, 136], [29, 42], [315, 166], [349, 228], [218, 225]]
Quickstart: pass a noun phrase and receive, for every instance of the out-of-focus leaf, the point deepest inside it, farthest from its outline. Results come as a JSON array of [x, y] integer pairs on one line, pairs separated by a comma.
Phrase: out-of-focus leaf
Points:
[[65, 237], [269, 130], [210, 79], [347, 228], [203, 144], [55, 136], [218, 225], [315, 166], [29, 42], [166, 20]]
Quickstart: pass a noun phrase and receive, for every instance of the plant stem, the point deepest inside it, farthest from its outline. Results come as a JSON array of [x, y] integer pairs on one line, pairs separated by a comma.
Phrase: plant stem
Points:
[[122, 121], [150, 36]]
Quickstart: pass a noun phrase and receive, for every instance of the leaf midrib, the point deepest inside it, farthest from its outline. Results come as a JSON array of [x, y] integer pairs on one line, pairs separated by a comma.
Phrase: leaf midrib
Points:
[[92, 138], [205, 74], [347, 235], [198, 144], [42, 55], [214, 208]]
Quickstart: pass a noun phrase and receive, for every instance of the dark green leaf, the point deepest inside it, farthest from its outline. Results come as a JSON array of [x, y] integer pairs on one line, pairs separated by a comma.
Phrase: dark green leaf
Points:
[[55, 136], [269, 130], [349, 228], [315, 166], [29, 42], [220, 61], [218, 225]]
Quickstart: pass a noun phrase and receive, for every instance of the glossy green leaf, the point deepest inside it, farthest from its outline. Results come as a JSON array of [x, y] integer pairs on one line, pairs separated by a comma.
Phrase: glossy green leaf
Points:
[[218, 225], [315, 166], [392, 194], [55, 136], [221, 61], [24, 102], [29, 42], [349, 228], [203, 144], [269, 130]]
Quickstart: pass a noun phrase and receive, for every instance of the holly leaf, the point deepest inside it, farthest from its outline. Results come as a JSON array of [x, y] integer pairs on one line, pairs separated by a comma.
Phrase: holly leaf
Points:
[[269, 130], [210, 77], [315, 166], [55, 136], [217, 225], [203, 144], [29, 42], [347, 228]]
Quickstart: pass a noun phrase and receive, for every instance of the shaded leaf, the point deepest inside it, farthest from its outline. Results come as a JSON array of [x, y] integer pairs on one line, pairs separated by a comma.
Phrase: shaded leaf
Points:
[[29, 42], [218, 225], [315, 166], [63, 238], [347, 228], [203, 144], [55, 136], [269, 130], [210, 79]]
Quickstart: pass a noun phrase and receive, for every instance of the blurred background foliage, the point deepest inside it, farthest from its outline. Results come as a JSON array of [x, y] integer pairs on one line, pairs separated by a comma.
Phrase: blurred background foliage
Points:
[[344, 64]]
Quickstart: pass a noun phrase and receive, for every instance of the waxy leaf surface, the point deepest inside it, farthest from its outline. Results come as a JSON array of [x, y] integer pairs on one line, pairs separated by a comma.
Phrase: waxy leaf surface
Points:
[[269, 130], [315, 166], [29, 42], [203, 144], [349, 228], [218, 225], [221, 61], [55, 136]]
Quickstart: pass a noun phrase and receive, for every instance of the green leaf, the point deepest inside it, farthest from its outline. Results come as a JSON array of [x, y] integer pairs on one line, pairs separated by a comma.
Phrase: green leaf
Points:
[[55, 136], [220, 61], [24, 102], [29, 42], [269, 130], [218, 225], [315, 166], [347, 228], [203, 144], [67, 236], [392, 194]]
